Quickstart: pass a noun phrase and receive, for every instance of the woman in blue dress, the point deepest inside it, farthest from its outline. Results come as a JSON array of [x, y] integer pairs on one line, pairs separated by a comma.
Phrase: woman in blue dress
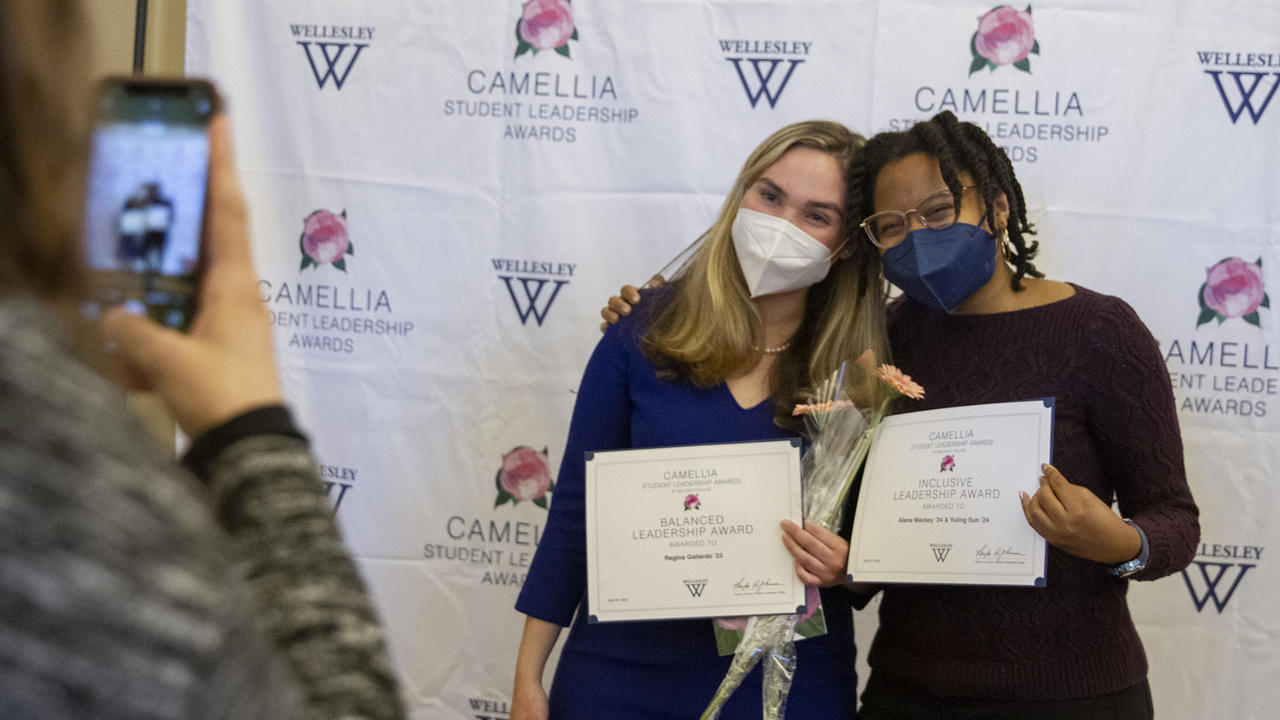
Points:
[[774, 300]]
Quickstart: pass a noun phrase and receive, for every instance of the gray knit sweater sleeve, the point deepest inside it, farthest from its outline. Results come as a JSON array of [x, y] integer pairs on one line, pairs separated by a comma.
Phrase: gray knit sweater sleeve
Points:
[[313, 602], [128, 590]]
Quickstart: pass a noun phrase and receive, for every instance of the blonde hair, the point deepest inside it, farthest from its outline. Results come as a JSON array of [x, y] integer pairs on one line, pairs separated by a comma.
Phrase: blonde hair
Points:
[[709, 329], [43, 149]]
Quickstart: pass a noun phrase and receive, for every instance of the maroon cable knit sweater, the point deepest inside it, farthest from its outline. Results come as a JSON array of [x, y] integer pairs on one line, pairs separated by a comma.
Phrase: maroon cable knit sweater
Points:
[[1115, 432]]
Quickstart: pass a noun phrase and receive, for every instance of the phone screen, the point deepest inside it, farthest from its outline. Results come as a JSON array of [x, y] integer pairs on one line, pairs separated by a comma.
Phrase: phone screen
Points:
[[148, 171]]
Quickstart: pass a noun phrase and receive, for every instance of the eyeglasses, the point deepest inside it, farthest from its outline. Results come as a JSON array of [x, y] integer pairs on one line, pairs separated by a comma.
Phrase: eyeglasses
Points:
[[889, 227]]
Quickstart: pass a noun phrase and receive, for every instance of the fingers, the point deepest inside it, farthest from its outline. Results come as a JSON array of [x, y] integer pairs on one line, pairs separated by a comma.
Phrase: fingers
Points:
[[1073, 519], [227, 272], [141, 346], [655, 282], [621, 306], [1049, 499], [614, 311], [821, 555], [807, 577], [1062, 489], [1044, 510], [226, 227], [1034, 514], [810, 569]]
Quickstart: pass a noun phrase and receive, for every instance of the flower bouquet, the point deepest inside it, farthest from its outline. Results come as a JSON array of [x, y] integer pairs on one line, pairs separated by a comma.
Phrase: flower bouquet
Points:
[[840, 435]]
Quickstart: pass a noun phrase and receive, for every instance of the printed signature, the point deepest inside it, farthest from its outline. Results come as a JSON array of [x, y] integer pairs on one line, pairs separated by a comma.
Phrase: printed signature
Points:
[[1004, 554], [761, 586]]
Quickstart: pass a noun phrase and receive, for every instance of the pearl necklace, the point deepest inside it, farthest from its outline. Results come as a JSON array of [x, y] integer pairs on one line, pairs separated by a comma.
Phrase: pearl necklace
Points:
[[776, 350]]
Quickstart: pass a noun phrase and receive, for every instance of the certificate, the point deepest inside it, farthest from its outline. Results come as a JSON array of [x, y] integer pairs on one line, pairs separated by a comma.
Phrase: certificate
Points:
[[939, 499], [692, 531]]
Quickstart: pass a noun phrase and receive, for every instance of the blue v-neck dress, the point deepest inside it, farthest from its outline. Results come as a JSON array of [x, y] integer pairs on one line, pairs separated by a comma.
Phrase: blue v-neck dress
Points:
[[663, 669]]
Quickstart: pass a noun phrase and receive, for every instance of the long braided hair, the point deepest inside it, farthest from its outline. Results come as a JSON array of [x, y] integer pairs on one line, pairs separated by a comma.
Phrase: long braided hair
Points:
[[957, 146]]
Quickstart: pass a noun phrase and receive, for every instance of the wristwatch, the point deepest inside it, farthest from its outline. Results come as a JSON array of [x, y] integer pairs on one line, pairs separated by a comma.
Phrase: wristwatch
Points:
[[1125, 569]]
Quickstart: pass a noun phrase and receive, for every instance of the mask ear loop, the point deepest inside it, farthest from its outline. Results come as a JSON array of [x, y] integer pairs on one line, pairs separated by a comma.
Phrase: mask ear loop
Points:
[[1003, 240], [835, 254]]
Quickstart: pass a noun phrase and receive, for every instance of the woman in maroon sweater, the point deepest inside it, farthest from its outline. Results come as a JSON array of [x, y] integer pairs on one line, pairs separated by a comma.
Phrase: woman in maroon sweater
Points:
[[979, 324]]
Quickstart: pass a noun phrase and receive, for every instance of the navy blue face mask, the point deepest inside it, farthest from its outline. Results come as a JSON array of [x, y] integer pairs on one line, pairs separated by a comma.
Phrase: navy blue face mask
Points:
[[940, 268]]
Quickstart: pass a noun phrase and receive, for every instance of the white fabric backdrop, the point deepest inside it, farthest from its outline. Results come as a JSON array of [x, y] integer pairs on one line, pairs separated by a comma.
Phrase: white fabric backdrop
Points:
[[495, 199]]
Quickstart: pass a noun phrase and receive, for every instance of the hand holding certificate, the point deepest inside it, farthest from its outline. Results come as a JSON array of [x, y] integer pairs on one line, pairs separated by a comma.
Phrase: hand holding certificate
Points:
[[839, 434], [939, 500], [1073, 519]]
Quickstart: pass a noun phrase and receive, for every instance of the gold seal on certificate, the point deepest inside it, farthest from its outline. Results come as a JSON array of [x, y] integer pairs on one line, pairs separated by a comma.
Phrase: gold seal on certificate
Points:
[[692, 531], [939, 498]]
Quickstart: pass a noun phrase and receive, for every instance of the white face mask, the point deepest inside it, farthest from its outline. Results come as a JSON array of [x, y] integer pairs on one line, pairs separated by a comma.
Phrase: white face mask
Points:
[[777, 256]]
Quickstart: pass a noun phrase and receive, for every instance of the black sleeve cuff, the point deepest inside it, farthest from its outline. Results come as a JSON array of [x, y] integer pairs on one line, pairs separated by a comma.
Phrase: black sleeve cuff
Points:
[[862, 596], [270, 420]]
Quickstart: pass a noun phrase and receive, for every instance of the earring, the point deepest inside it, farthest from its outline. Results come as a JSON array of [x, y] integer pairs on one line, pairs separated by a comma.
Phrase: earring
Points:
[[1005, 252]]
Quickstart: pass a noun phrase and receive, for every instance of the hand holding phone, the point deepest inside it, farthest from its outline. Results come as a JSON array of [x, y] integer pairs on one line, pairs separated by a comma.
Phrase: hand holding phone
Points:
[[225, 364]]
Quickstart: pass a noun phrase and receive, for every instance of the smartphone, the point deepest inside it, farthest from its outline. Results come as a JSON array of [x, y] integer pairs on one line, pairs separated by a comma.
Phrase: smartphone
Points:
[[145, 200]]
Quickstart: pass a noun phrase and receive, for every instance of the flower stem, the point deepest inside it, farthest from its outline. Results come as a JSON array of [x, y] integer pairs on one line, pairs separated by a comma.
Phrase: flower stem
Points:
[[859, 457]]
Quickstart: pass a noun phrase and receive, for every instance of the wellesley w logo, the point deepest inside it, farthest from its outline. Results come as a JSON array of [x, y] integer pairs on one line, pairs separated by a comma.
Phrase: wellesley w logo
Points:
[[332, 50], [337, 480], [1242, 81], [533, 285], [764, 67], [1212, 577], [1217, 582], [940, 552], [695, 587]]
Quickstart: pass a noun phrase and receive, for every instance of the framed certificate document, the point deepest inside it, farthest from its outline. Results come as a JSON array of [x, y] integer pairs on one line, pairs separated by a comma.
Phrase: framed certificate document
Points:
[[692, 531], [939, 499]]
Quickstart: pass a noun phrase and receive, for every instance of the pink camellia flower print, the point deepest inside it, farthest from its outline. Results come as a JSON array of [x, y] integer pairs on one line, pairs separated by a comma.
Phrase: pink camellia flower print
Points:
[[325, 240], [691, 502], [525, 476], [545, 25], [1004, 37], [948, 463], [1233, 288]]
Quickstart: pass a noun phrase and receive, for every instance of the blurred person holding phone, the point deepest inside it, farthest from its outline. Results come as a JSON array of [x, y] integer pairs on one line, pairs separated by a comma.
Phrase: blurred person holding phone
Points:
[[133, 587]]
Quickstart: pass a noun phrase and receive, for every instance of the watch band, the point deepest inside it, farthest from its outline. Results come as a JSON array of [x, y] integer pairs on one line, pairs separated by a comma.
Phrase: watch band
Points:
[[1125, 569]]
